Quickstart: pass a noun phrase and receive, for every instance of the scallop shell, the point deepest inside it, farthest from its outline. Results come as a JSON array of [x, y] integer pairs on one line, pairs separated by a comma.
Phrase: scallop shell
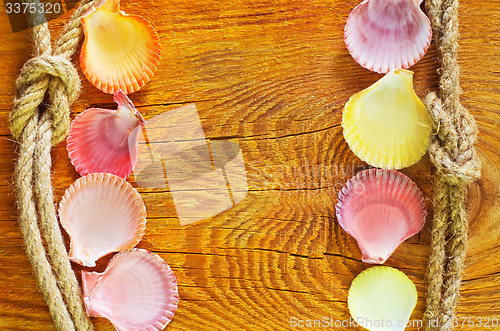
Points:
[[380, 209], [386, 124], [102, 213], [137, 291], [382, 35], [103, 140], [382, 298], [120, 51]]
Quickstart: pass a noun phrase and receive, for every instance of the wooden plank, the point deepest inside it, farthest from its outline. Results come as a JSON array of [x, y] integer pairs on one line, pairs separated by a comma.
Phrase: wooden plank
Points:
[[272, 77]]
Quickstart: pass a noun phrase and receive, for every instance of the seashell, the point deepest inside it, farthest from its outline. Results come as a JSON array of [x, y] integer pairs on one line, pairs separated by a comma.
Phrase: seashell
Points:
[[382, 298], [386, 124], [383, 35], [102, 213], [137, 291], [380, 209], [103, 140], [120, 51]]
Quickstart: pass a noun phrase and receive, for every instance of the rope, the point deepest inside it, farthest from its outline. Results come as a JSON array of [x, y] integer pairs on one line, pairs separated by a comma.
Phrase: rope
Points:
[[49, 78], [452, 153]]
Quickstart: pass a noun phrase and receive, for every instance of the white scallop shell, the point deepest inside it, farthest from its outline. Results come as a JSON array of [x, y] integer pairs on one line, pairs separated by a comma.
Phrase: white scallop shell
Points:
[[137, 291], [102, 213], [382, 35]]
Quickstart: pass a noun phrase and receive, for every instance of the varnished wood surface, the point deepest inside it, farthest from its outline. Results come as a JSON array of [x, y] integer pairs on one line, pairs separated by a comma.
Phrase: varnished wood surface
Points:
[[272, 76]]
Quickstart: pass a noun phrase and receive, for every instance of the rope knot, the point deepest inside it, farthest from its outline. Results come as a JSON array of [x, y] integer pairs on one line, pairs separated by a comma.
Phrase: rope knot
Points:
[[452, 146], [48, 78]]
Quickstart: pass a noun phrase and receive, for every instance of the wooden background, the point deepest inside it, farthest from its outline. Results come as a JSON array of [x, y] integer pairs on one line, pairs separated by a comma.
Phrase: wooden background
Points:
[[272, 76]]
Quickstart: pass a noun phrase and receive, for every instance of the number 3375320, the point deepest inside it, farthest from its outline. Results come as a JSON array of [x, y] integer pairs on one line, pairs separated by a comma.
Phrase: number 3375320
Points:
[[32, 8]]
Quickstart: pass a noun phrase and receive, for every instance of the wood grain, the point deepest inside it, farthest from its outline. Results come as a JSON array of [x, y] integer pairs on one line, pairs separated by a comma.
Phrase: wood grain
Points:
[[272, 76]]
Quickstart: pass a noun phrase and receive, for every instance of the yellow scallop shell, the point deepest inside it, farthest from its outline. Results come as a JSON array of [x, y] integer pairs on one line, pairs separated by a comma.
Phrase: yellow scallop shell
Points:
[[120, 51], [382, 298], [387, 125]]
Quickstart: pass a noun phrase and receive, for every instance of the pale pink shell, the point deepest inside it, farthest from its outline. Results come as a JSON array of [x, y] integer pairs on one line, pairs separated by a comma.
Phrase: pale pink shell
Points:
[[380, 209], [382, 35], [103, 140], [102, 213], [137, 291]]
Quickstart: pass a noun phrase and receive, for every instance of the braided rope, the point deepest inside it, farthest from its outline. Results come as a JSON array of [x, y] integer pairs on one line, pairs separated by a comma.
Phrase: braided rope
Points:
[[453, 154], [50, 77]]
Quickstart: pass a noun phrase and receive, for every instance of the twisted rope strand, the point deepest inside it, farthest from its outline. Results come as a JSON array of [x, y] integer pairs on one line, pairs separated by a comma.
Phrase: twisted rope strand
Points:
[[52, 75], [72, 32], [456, 249], [50, 227], [452, 152], [441, 203], [31, 232], [65, 48]]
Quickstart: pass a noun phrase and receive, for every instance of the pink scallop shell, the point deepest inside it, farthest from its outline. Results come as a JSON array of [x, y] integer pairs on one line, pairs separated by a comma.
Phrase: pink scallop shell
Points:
[[382, 35], [137, 291], [380, 209], [102, 213], [104, 140]]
